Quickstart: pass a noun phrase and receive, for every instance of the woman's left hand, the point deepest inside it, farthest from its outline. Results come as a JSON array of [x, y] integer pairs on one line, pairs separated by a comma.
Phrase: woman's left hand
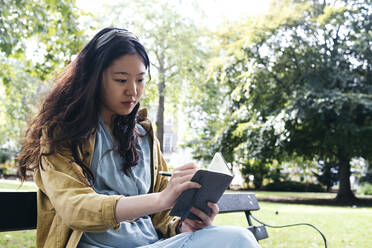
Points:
[[190, 225]]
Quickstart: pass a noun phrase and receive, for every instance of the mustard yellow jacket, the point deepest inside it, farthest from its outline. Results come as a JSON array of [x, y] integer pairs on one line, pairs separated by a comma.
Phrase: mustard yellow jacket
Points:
[[67, 207]]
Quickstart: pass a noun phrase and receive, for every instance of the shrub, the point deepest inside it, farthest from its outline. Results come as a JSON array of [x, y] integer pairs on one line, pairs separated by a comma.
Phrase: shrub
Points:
[[5, 155], [367, 177], [365, 189], [294, 187]]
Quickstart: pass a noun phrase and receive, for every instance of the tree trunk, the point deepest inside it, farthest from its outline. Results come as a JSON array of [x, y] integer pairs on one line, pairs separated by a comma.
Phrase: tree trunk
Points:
[[329, 188], [160, 112], [344, 194]]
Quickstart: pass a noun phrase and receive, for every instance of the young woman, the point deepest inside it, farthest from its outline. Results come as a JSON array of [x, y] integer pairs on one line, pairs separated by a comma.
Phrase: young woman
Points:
[[96, 159]]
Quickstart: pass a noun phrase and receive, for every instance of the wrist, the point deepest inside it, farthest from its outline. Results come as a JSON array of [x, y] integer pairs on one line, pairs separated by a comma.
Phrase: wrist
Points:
[[162, 202]]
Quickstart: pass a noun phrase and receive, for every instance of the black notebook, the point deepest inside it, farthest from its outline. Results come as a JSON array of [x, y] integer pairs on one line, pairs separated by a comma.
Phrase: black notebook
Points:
[[214, 181]]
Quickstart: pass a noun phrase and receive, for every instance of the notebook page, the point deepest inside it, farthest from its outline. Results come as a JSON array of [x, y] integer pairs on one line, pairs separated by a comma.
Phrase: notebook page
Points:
[[218, 164]]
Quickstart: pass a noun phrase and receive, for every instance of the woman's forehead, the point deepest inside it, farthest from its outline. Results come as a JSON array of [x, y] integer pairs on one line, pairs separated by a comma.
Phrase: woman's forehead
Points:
[[128, 64]]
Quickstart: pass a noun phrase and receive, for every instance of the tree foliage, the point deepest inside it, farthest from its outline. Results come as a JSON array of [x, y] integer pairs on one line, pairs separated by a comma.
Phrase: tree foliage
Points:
[[174, 48], [299, 83], [367, 175], [36, 39], [327, 174], [47, 29], [18, 103]]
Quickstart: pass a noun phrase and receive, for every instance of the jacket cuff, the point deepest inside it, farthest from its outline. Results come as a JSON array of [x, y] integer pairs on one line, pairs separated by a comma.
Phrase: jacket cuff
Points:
[[175, 224], [108, 211]]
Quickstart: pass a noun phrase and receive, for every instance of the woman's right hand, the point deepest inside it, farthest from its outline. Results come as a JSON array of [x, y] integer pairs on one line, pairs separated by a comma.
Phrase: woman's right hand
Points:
[[132, 207], [179, 182]]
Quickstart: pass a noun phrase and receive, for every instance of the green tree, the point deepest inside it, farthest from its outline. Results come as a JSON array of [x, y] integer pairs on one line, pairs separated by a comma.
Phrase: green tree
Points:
[[174, 48], [300, 81], [49, 26], [257, 168], [37, 38], [18, 103], [209, 111], [327, 174], [367, 177]]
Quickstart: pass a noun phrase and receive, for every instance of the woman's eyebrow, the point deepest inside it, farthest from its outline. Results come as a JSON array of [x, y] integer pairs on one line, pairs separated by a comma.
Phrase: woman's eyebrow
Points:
[[126, 73]]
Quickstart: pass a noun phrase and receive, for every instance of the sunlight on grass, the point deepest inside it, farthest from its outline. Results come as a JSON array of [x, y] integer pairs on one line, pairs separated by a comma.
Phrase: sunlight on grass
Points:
[[18, 239], [26, 186], [305, 195], [342, 226]]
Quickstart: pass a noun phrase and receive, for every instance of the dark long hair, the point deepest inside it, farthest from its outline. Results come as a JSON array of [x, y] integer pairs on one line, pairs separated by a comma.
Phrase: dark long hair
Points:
[[69, 113]]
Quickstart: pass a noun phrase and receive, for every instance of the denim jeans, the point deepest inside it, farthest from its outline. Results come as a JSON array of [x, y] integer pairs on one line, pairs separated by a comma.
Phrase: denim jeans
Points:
[[210, 236]]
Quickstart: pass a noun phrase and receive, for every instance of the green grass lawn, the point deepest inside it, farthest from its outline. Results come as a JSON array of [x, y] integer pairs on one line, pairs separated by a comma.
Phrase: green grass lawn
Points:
[[18, 239], [303, 195], [17, 186], [343, 226]]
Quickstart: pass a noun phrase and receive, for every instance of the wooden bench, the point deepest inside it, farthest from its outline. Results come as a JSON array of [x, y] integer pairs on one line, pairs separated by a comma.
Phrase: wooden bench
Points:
[[19, 210], [246, 202]]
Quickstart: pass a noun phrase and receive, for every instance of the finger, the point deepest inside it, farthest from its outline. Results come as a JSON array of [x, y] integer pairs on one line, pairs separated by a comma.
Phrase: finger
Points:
[[189, 223], [188, 185], [214, 207], [194, 224], [203, 216], [190, 165], [186, 227], [181, 179], [177, 173], [215, 210]]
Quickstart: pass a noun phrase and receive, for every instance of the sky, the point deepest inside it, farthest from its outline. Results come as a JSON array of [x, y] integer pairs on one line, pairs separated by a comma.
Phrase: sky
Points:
[[217, 11]]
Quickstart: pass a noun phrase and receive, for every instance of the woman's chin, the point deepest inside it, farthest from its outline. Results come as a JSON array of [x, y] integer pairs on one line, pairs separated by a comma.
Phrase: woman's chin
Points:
[[125, 111]]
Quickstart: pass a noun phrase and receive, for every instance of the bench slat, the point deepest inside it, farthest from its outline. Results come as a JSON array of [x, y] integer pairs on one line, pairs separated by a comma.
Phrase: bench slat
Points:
[[234, 202], [243, 202], [19, 211]]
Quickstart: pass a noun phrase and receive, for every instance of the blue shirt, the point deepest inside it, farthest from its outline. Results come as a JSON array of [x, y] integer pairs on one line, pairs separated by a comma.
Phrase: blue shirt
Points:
[[110, 179]]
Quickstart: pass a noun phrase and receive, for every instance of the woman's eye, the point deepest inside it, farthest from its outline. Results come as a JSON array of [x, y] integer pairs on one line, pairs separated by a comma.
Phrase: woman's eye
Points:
[[140, 80], [121, 80]]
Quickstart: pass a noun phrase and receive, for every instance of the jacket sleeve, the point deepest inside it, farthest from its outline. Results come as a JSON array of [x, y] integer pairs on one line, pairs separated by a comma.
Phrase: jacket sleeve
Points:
[[163, 222], [78, 205]]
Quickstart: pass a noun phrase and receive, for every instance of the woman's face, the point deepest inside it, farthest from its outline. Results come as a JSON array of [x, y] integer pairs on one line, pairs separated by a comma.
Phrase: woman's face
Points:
[[123, 83]]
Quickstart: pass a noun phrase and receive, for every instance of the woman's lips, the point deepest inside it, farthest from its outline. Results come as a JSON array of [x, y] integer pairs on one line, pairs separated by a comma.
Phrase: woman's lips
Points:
[[128, 103]]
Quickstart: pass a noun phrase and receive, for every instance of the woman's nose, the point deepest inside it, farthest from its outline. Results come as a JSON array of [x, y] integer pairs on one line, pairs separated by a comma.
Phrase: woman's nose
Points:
[[131, 88]]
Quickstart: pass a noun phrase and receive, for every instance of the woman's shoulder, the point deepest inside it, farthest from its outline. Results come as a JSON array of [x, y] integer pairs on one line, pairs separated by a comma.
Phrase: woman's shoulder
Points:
[[142, 115], [143, 120]]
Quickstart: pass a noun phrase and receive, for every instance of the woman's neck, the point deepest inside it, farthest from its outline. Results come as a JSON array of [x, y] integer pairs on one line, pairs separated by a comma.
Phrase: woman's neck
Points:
[[107, 118]]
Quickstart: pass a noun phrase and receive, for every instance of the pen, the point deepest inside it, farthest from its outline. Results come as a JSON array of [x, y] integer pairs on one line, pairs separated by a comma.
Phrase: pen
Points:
[[165, 173]]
